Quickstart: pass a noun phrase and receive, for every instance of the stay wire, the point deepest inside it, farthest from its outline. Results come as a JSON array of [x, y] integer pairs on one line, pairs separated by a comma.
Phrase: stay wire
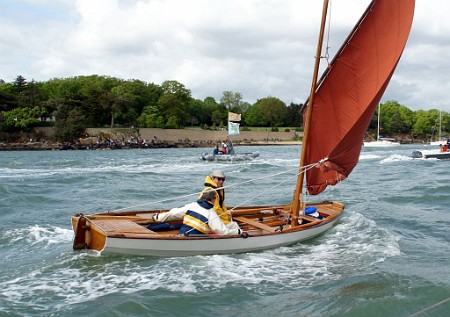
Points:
[[327, 48], [262, 193], [429, 308], [306, 168], [198, 193]]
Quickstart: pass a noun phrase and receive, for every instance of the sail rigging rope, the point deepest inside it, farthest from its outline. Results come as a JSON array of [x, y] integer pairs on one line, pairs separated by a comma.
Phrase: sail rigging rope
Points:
[[327, 47], [305, 168], [224, 187], [430, 307]]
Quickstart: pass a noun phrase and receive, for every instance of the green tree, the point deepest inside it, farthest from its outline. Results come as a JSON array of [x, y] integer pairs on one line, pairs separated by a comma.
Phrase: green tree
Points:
[[219, 113], [172, 122], [200, 112], [426, 123], [19, 84], [30, 95], [267, 111], [7, 97], [293, 116], [69, 124], [217, 117], [232, 101], [175, 102], [177, 89], [22, 118], [445, 124], [395, 118], [149, 117], [255, 117], [120, 105], [173, 108], [274, 110], [422, 123]]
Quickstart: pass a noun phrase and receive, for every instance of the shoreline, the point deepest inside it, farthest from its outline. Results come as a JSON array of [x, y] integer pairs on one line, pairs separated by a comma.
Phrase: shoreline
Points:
[[43, 146]]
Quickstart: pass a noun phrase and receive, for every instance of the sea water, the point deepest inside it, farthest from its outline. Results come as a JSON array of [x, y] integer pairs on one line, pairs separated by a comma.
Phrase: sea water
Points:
[[388, 256]]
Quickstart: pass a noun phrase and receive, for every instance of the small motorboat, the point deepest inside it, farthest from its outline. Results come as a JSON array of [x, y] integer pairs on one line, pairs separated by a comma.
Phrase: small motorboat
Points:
[[229, 157]]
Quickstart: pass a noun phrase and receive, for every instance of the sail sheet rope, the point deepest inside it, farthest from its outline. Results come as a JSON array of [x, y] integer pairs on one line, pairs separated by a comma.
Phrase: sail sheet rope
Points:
[[430, 307], [302, 170], [305, 168], [264, 192]]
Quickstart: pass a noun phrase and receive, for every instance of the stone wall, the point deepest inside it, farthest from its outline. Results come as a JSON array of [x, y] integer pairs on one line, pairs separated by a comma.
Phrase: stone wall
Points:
[[177, 135]]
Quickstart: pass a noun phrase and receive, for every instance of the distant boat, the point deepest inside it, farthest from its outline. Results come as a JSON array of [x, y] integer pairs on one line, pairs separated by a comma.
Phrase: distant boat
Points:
[[381, 141], [230, 155], [429, 154], [442, 153], [437, 142], [336, 116]]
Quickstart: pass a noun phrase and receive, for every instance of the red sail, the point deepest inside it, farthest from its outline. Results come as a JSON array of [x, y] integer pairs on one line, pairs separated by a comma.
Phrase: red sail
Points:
[[351, 89]]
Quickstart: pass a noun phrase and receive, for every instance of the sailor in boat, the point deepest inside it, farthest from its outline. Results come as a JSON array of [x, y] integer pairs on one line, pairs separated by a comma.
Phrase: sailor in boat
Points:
[[215, 182], [230, 148], [224, 148], [201, 218], [216, 151]]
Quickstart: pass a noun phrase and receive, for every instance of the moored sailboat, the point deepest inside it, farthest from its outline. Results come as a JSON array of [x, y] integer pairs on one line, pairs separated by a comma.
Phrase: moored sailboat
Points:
[[381, 141], [439, 140], [350, 89]]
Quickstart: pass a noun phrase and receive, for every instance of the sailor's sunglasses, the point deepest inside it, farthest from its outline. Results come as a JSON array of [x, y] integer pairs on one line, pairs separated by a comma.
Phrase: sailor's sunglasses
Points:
[[221, 179]]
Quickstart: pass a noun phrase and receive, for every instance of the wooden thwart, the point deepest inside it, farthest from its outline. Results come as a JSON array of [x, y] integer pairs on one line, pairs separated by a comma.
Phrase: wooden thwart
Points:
[[255, 223], [309, 218]]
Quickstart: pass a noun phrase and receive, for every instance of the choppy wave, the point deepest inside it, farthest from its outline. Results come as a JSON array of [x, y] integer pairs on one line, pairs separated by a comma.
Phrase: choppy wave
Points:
[[37, 235], [395, 158], [394, 223], [76, 277]]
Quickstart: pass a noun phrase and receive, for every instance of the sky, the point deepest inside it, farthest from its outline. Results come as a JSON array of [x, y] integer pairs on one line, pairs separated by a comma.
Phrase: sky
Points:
[[259, 48]]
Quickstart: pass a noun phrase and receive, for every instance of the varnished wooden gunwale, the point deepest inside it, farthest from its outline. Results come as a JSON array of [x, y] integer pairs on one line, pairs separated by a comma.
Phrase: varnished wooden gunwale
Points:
[[257, 220]]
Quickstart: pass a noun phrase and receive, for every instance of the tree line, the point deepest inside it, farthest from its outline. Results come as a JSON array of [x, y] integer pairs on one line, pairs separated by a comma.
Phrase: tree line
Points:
[[73, 104]]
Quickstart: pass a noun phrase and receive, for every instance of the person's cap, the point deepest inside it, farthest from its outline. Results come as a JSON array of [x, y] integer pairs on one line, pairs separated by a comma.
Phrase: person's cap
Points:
[[217, 173]]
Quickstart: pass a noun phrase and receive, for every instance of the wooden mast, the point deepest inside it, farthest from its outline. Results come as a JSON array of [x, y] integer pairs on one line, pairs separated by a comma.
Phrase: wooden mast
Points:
[[298, 202]]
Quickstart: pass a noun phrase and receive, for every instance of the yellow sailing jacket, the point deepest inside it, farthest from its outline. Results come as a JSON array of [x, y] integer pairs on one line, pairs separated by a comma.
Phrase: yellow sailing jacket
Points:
[[219, 205]]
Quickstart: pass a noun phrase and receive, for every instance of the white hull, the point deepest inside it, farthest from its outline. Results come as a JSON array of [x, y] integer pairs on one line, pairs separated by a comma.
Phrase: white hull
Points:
[[438, 142], [382, 144], [268, 226], [180, 247], [436, 153]]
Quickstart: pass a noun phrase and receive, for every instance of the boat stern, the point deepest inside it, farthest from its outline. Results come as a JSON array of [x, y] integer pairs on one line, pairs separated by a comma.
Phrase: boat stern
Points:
[[417, 154], [87, 236]]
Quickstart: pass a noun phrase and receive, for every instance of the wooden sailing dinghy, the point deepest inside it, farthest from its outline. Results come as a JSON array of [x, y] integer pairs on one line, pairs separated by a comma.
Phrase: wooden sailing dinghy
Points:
[[336, 116]]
